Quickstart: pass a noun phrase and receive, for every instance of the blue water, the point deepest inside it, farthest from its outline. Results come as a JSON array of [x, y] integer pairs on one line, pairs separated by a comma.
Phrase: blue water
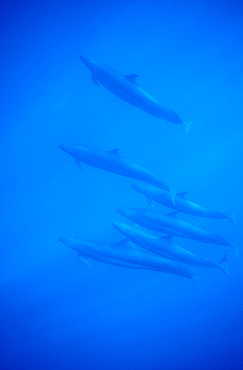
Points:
[[56, 313]]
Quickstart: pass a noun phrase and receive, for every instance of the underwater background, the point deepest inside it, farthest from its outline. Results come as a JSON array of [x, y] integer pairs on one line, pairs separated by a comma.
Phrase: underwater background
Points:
[[56, 313]]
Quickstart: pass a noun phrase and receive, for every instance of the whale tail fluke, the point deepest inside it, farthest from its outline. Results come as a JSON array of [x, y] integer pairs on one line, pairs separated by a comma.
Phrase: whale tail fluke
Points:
[[232, 217], [223, 265], [186, 125]]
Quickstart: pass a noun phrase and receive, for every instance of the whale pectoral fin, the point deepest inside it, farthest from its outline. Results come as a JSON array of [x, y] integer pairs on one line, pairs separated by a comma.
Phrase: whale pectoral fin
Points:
[[235, 248], [132, 78], [131, 245], [182, 194], [150, 202], [84, 261], [168, 237], [78, 164], [94, 79], [173, 195], [173, 214]]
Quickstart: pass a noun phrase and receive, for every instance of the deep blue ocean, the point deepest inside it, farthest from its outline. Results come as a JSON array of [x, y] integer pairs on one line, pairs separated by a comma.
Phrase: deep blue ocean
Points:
[[56, 313]]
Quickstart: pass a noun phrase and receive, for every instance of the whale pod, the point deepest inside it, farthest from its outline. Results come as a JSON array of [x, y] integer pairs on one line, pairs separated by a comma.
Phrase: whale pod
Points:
[[165, 247]]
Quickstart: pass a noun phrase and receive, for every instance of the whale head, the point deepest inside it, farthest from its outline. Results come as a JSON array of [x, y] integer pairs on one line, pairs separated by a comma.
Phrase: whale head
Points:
[[76, 151], [130, 213], [140, 187], [80, 245], [150, 190], [122, 227], [91, 64]]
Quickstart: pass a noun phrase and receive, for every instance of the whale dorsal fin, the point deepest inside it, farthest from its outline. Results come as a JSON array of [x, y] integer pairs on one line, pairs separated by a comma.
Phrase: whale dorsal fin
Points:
[[132, 78], [114, 151], [124, 243], [182, 195]]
